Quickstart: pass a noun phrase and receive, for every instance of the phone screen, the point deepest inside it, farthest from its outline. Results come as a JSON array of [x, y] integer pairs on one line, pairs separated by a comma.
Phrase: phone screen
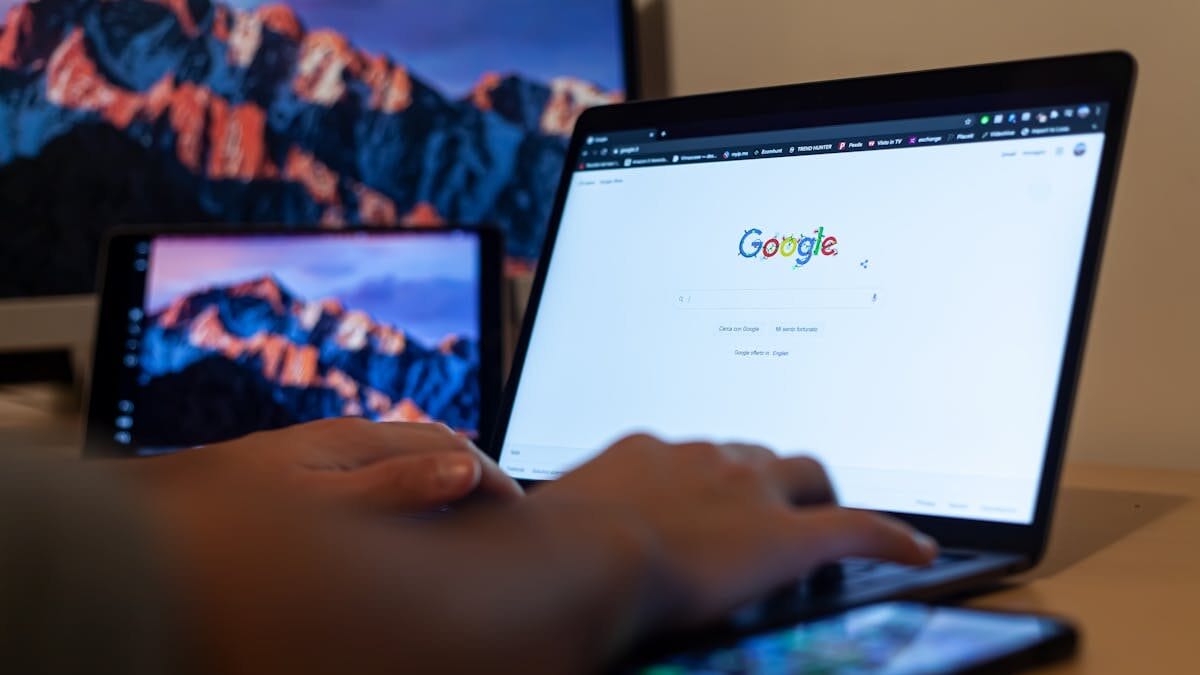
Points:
[[890, 638]]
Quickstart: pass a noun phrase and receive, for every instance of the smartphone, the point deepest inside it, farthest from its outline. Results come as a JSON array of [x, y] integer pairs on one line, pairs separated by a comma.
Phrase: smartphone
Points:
[[892, 638]]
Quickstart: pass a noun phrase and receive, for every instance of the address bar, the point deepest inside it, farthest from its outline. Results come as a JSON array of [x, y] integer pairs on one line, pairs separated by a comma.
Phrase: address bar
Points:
[[777, 298]]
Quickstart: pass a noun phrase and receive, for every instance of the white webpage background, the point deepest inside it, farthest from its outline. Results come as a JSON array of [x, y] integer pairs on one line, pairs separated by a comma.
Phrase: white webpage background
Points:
[[936, 398]]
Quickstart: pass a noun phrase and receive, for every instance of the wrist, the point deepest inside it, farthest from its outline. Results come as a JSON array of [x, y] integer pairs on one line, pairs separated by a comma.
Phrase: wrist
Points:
[[629, 593], [163, 471]]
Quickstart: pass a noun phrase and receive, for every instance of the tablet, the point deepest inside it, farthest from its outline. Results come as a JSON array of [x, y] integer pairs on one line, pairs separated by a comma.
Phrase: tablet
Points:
[[208, 335]]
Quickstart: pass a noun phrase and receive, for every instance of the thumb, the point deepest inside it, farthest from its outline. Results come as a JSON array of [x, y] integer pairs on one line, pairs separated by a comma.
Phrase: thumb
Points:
[[406, 483]]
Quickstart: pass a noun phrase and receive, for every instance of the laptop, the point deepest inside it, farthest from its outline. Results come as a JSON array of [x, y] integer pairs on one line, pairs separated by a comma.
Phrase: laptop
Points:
[[890, 274]]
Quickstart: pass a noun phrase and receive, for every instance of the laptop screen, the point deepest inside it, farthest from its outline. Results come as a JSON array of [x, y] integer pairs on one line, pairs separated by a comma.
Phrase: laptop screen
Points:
[[891, 298]]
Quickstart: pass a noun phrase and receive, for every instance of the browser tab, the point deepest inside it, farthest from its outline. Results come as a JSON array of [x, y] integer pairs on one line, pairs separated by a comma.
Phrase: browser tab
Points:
[[631, 136], [652, 147]]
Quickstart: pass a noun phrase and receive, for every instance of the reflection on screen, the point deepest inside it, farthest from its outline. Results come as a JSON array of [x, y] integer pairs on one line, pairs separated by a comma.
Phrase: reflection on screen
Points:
[[240, 334], [891, 639]]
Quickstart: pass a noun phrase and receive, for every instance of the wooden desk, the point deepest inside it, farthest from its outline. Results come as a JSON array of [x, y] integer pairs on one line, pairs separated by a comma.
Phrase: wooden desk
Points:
[[1123, 562], [41, 418], [1124, 565]]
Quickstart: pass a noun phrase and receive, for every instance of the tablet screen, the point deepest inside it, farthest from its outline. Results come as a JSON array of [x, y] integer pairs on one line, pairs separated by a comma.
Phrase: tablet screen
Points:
[[231, 334]]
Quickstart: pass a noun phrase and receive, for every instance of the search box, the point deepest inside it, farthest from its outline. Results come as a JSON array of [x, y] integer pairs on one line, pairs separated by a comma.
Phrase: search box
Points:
[[777, 298]]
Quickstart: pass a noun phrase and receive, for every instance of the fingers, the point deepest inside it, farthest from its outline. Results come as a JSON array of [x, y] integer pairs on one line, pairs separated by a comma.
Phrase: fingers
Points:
[[798, 480], [755, 455], [824, 534], [802, 480], [396, 438], [409, 483], [356, 444], [835, 532], [493, 482], [439, 437], [349, 442]]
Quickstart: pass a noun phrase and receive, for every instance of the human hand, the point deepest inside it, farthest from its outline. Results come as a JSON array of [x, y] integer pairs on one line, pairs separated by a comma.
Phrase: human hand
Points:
[[726, 523], [648, 537], [383, 466]]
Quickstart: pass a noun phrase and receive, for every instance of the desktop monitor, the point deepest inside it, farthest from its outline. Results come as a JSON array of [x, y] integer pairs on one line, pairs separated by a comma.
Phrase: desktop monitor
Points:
[[309, 113]]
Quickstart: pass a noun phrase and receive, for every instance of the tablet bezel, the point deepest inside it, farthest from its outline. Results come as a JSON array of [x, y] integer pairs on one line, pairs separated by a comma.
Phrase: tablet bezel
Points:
[[119, 290]]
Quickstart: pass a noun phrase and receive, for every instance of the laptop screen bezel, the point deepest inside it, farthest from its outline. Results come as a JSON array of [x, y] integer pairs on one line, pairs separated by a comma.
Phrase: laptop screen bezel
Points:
[[1103, 77]]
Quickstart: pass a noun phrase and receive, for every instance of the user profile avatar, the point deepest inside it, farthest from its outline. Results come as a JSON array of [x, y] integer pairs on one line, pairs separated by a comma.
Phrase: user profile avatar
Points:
[[1080, 148]]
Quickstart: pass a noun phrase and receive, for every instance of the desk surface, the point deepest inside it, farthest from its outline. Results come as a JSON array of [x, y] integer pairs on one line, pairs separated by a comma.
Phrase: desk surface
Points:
[[1124, 565], [1123, 561]]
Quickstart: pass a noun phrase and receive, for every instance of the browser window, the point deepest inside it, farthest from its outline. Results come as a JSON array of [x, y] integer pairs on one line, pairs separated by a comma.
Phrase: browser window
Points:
[[893, 304]]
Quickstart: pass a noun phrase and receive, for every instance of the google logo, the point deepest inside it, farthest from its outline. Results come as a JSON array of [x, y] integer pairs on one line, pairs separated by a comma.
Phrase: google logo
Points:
[[801, 248]]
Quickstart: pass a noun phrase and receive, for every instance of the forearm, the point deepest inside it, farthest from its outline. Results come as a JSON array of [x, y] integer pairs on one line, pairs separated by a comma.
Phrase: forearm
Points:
[[273, 583], [81, 589], [536, 589]]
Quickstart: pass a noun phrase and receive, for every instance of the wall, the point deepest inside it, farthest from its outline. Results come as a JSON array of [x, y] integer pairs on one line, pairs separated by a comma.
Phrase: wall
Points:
[[1138, 402]]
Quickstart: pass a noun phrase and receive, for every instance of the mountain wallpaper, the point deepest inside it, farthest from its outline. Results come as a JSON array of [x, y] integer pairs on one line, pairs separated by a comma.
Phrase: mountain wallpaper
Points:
[[220, 358], [184, 111]]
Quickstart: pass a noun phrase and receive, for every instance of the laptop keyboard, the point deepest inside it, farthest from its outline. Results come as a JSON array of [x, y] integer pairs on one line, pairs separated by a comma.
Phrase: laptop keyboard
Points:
[[827, 587], [850, 571]]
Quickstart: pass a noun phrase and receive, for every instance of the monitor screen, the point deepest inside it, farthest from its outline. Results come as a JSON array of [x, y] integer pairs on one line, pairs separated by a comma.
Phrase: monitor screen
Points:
[[226, 335], [892, 298], [338, 113]]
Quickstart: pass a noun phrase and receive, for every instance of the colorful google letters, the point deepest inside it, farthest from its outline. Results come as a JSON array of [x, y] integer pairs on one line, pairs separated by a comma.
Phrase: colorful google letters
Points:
[[802, 249]]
